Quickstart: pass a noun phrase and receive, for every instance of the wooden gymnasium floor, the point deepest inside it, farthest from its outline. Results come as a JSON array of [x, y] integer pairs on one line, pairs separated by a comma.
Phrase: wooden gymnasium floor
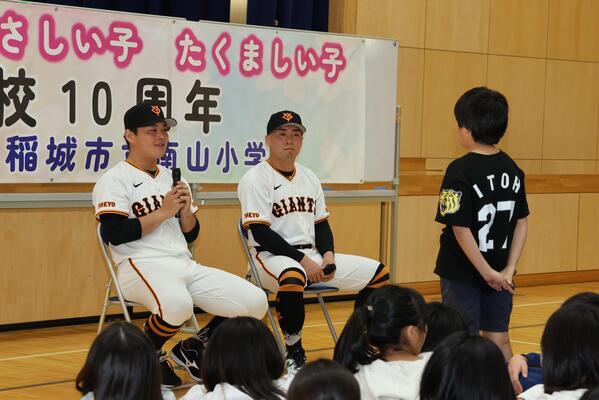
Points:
[[43, 363]]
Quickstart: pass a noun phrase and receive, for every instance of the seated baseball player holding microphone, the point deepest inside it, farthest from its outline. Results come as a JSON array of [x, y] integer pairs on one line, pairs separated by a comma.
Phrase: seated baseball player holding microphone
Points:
[[284, 210], [147, 217]]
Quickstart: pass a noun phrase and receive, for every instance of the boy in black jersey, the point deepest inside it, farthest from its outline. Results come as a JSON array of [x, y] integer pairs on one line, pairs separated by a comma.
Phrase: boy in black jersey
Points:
[[483, 205]]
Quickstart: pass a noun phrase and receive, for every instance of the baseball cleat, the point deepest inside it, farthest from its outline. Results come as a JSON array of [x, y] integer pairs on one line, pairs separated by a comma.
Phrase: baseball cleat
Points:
[[169, 377], [295, 358], [188, 354]]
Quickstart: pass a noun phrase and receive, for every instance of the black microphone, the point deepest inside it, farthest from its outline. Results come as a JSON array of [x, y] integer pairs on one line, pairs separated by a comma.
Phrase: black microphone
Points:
[[176, 179], [329, 269]]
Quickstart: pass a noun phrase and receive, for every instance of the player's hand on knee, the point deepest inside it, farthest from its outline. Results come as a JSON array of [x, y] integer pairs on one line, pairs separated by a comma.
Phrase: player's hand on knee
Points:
[[328, 267], [329, 277], [313, 270], [328, 259], [516, 367]]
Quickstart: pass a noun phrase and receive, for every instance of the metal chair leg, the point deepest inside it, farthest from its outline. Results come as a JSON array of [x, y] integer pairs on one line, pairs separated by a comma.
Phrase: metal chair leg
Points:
[[104, 307], [327, 317], [275, 332]]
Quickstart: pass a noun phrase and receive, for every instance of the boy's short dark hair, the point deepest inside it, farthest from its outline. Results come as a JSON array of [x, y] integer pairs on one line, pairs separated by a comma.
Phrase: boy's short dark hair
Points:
[[441, 321], [484, 112]]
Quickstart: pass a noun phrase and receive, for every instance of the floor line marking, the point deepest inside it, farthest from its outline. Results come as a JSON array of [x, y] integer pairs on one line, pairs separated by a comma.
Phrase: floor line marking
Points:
[[538, 304], [36, 385], [57, 353], [524, 342]]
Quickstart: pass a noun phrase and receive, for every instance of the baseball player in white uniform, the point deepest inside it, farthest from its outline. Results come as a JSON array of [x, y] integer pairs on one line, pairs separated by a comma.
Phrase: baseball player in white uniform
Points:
[[284, 210], [148, 220]]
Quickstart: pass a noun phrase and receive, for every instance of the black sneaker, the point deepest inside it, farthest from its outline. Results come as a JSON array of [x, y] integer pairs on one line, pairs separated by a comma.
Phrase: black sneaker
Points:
[[188, 354], [169, 378], [295, 358]]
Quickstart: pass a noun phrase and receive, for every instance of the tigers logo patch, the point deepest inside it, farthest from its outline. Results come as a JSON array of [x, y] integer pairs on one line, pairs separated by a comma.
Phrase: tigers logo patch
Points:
[[449, 201]]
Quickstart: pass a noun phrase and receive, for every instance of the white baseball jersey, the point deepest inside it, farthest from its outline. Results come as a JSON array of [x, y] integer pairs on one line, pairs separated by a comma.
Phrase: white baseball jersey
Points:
[[290, 206], [131, 191]]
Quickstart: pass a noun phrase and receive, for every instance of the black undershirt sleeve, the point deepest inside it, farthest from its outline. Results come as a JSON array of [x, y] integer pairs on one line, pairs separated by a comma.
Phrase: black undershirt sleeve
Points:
[[271, 241], [192, 234], [117, 229], [324, 237]]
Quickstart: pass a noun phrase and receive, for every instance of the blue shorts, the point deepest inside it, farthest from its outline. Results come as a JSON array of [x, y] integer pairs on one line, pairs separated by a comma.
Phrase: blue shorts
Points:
[[487, 311]]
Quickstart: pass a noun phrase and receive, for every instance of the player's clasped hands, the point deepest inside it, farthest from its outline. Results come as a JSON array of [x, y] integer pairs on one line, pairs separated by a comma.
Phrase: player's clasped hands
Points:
[[177, 199], [499, 281]]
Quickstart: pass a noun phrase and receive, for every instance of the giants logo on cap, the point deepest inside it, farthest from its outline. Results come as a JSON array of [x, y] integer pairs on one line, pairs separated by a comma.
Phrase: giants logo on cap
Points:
[[287, 116], [156, 110]]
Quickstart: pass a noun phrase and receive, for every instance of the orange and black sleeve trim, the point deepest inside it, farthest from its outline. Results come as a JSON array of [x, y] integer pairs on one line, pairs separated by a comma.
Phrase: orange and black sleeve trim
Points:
[[250, 223]]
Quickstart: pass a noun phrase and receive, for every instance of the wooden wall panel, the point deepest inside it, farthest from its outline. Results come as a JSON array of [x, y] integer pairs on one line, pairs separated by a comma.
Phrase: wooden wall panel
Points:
[[447, 75], [429, 183], [342, 16], [519, 28], [522, 81], [571, 110], [588, 231], [52, 267], [218, 244], [412, 165], [409, 96], [439, 165], [533, 48], [552, 235], [573, 30], [418, 238], [572, 167], [530, 167], [458, 25], [403, 20], [356, 228]]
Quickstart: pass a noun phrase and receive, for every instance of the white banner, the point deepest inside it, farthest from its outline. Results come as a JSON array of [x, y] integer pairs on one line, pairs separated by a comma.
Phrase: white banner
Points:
[[68, 75]]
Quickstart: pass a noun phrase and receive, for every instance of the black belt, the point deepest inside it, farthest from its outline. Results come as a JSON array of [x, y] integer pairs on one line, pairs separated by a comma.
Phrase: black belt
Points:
[[295, 246]]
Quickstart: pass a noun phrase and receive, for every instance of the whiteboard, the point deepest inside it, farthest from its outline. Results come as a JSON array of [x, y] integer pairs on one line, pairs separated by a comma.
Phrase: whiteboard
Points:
[[381, 99]]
